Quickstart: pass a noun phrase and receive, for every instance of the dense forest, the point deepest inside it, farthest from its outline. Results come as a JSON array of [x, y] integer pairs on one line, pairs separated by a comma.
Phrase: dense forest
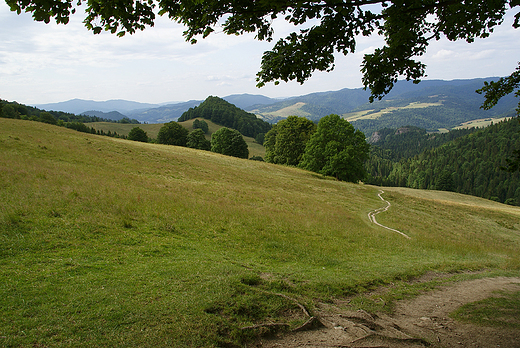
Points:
[[228, 115], [468, 161]]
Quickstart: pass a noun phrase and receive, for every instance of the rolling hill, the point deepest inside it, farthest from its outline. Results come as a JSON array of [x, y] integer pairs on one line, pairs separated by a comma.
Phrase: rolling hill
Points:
[[109, 242], [432, 104]]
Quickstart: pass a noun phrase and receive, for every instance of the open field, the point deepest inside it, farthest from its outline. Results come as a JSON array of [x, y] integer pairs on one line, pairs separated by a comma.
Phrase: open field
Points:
[[481, 123], [109, 242], [152, 130], [371, 115], [292, 110]]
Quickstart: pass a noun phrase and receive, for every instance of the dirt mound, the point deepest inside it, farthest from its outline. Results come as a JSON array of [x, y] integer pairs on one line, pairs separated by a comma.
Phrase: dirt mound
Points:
[[421, 322]]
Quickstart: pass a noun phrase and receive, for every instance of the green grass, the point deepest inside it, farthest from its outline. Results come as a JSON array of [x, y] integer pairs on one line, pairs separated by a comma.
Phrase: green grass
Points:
[[502, 310], [108, 242]]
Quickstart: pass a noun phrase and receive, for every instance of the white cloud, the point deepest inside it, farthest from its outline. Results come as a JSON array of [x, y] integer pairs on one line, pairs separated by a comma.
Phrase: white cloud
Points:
[[47, 63]]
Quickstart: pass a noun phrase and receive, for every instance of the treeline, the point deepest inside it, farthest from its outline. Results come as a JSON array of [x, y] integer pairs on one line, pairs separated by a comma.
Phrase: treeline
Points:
[[228, 115], [473, 163], [59, 118]]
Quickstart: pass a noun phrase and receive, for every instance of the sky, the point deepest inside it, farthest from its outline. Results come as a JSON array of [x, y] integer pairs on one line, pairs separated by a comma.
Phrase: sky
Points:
[[47, 63]]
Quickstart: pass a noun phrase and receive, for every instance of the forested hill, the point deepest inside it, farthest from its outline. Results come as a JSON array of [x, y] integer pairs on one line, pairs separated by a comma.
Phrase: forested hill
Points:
[[228, 115], [470, 164], [409, 141]]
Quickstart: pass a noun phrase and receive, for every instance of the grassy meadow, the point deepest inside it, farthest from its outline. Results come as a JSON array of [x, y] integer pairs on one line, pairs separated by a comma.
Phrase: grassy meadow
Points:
[[152, 130], [109, 242]]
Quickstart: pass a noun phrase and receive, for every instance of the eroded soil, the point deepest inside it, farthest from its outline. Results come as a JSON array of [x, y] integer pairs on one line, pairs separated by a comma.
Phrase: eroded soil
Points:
[[420, 322]]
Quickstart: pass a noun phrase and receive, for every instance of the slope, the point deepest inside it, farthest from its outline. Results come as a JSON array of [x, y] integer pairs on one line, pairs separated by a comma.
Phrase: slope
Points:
[[108, 242]]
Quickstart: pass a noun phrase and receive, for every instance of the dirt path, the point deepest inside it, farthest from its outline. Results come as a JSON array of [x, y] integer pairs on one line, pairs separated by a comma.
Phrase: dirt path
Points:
[[373, 213], [420, 322]]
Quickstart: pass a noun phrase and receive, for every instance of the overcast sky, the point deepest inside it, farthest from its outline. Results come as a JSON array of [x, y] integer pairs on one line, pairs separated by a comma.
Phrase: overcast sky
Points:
[[44, 63]]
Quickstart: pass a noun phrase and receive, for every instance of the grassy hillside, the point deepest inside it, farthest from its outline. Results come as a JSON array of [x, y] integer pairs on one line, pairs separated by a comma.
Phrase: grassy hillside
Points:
[[152, 130], [108, 242]]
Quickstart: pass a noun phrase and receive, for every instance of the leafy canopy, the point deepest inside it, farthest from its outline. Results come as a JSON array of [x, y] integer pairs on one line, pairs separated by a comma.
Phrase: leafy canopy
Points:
[[407, 26], [172, 133], [336, 149], [229, 142], [138, 134], [285, 142], [197, 140]]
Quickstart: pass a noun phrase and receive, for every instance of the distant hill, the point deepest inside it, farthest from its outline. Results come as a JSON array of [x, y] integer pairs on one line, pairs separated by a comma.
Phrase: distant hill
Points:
[[228, 115], [249, 101], [112, 115], [163, 114], [78, 106], [431, 104], [315, 105], [467, 161]]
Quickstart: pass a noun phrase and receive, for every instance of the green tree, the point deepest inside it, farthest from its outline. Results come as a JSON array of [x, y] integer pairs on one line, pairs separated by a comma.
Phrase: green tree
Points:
[[137, 134], [197, 140], [444, 181], [336, 149], [46, 117], [260, 138], [407, 26], [285, 142], [229, 142], [201, 124], [8, 111], [172, 133]]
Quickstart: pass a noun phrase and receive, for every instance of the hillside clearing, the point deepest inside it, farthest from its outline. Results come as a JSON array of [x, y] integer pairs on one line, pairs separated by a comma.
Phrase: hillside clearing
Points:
[[373, 115], [109, 242]]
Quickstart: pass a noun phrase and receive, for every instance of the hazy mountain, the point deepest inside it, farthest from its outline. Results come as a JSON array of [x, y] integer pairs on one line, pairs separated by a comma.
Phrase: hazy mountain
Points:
[[112, 115], [431, 104], [248, 101], [78, 106], [164, 113]]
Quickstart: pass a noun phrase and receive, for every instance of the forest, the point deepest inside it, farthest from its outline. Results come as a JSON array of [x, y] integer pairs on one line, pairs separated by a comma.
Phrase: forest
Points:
[[469, 161]]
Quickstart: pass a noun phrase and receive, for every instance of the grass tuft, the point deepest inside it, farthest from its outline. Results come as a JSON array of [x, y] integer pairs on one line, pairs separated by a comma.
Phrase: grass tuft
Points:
[[502, 311]]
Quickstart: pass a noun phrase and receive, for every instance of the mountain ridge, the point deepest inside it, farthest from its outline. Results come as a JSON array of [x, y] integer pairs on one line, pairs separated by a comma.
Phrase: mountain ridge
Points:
[[456, 102]]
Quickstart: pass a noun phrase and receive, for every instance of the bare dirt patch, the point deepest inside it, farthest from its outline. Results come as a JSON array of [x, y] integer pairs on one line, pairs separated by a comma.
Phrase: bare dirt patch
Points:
[[420, 322]]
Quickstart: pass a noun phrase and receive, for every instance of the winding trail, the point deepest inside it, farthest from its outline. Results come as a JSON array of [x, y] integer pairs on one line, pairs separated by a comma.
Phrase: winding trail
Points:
[[373, 213]]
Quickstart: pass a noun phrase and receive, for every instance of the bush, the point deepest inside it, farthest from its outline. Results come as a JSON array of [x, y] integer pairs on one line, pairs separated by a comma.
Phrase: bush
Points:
[[197, 140], [137, 134], [229, 142]]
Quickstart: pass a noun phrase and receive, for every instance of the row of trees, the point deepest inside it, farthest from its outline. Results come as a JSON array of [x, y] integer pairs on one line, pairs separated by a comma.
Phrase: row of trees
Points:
[[332, 148], [225, 141]]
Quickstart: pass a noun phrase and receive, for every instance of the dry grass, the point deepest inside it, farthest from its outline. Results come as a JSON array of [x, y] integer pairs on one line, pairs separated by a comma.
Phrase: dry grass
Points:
[[108, 242]]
